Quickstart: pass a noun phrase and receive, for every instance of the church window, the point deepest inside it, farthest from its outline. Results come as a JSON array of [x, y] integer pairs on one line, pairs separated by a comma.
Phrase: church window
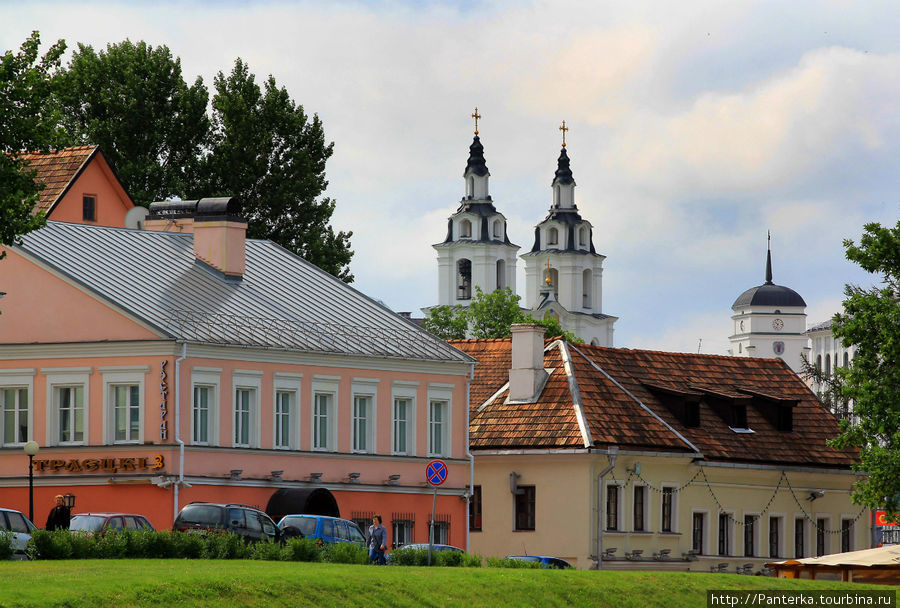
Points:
[[554, 282], [552, 236], [587, 286], [556, 196], [582, 236], [846, 359], [739, 348], [470, 187], [827, 364], [498, 229], [819, 362], [464, 280], [465, 229], [501, 274]]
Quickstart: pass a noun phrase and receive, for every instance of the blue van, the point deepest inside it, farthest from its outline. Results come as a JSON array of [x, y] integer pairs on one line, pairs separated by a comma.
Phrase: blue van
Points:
[[325, 529]]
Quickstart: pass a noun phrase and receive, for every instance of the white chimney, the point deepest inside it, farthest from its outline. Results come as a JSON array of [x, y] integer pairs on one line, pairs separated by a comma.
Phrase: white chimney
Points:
[[527, 375]]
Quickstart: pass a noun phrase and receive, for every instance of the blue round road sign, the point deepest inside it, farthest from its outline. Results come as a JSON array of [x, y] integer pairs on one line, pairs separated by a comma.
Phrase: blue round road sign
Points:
[[436, 472]]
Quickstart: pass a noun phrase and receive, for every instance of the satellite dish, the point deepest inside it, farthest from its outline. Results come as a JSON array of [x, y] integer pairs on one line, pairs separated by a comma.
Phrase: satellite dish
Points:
[[135, 217]]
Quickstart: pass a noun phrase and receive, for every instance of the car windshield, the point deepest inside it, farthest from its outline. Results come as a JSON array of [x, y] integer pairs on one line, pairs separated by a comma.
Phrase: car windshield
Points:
[[306, 525], [525, 558], [206, 515], [86, 523]]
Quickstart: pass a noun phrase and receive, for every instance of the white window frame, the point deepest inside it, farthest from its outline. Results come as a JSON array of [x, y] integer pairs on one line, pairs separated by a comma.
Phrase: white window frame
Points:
[[442, 393], [757, 534], [404, 390], [18, 379], [62, 377], [120, 375], [246, 380], [325, 385], [782, 524], [620, 506], [211, 378], [285, 382], [675, 527], [729, 544], [365, 388], [704, 549]]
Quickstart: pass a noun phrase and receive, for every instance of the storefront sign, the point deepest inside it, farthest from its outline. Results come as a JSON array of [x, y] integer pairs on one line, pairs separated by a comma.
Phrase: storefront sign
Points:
[[164, 401], [107, 465], [881, 519]]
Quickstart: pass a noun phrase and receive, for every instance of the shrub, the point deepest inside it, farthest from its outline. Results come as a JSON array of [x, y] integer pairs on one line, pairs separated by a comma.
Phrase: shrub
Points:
[[161, 545], [188, 546], [345, 553], [496, 562], [303, 550], [268, 550], [112, 545], [46, 544], [448, 558], [6, 547], [409, 556], [471, 561], [226, 546], [83, 545]]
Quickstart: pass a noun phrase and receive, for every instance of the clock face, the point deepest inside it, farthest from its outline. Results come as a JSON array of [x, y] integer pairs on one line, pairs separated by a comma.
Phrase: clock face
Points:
[[777, 324]]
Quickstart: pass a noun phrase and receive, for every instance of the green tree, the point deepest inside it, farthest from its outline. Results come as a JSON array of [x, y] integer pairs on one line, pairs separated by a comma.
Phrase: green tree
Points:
[[871, 321], [266, 150], [132, 100], [447, 323], [28, 122]]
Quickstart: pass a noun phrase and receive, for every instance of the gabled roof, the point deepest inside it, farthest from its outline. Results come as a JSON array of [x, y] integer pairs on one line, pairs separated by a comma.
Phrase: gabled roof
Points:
[[625, 396], [281, 302], [57, 170]]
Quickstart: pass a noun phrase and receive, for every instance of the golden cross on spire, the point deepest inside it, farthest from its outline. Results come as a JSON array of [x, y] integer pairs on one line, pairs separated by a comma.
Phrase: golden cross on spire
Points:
[[476, 116], [564, 128]]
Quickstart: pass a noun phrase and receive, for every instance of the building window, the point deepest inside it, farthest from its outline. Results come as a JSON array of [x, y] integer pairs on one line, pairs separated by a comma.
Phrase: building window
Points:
[[724, 534], [799, 540], [362, 410], [820, 537], [553, 236], [525, 505], [640, 493], [402, 527], [475, 509], [697, 532], [88, 208], [846, 527], [749, 535], [465, 229], [70, 409], [827, 364], [14, 402], [846, 360], [819, 362], [243, 398], [201, 414], [284, 407], [437, 426], [774, 536], [582, 236], [587, 286], [464, 280], [667, 508], [322, 406], [441, 531], [501, 274], [612, 507], [470, 187], [498, 229], [127, 412], [402, 409]]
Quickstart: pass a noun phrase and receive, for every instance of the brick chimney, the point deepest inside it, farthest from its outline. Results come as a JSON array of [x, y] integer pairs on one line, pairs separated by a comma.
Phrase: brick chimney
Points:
[[527, 375], [220, 235]]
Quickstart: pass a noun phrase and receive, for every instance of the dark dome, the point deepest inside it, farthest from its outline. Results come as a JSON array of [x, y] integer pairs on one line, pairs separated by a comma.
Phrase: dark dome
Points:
[[769, 294]]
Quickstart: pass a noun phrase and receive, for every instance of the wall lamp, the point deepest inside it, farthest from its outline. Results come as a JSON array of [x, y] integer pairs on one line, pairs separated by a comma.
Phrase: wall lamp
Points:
[[393, 479], [276, 475], [316, 477], [816, 494], [354, 477], [236, 473], [636, 469]]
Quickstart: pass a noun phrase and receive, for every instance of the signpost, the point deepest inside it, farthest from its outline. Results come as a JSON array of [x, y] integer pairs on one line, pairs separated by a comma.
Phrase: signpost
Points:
[[436, 474]]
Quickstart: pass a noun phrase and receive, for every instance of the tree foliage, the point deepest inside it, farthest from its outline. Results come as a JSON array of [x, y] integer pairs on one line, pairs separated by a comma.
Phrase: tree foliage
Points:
[[489, 315], [133, 101], [266, 150], [871, 321], [28, 121]]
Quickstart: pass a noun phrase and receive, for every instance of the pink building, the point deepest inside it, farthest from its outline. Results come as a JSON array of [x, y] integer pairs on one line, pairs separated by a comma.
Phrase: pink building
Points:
[[186, 363]]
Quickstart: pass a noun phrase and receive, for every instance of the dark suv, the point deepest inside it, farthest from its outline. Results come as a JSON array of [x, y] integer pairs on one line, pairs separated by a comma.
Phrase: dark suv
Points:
[[207, 517]]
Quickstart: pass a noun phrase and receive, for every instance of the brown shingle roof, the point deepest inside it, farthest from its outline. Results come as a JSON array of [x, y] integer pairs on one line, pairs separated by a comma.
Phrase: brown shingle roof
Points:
[[57, 169], [614, 415]]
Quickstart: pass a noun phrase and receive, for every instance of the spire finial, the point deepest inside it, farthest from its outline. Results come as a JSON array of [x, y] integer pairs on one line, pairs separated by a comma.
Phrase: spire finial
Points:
[[476, 116], [768, 257], [564, 128], [547, 279]]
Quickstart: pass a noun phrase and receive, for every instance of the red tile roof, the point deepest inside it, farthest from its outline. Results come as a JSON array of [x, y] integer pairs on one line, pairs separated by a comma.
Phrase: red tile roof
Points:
[[629, 407], [57, 169]]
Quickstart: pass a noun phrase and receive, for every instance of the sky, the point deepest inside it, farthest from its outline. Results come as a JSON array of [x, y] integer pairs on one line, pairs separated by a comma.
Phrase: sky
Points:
[[695, 128]]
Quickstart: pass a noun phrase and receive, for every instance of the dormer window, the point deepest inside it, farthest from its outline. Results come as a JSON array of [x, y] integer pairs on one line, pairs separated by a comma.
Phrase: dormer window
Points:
[[465, 229], [553, 236]]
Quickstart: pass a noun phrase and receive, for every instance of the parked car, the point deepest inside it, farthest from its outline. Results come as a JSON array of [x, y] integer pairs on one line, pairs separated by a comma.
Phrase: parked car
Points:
[[21, 528], [322, 528], [208, 517], [546, 562], [108, 522], [435, 547]]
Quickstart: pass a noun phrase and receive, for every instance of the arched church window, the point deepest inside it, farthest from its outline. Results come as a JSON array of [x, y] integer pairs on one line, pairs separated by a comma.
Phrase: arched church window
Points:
[[739, 348], [498, 229], [827, 364], [554, 282], [464, 280], [553, 236], [587, 285], [846, 359], [595, 342], [582, 236], [556, 196], [819, 362], [501, 274], [465, 229], [470, 187]]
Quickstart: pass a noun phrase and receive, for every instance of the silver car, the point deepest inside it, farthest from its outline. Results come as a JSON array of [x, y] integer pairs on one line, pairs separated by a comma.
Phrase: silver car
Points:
[[21, 528]]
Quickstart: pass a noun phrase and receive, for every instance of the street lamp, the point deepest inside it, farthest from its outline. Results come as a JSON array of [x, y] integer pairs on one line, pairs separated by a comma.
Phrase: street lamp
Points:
[[31, 448]]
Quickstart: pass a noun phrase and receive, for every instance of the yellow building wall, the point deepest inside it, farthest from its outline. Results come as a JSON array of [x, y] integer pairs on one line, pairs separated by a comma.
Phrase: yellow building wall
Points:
[[566, 509]]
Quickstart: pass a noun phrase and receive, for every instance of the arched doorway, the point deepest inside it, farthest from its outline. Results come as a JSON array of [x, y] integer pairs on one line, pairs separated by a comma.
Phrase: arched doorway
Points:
[[312, 501]]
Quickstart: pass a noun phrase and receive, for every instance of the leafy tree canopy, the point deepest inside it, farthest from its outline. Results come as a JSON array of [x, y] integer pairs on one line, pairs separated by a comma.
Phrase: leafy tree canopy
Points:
[[489, 316], [871, 321], [28, 121]]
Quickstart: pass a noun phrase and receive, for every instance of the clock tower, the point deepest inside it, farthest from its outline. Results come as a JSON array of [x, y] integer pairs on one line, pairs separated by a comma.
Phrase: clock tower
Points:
[[770, 321]]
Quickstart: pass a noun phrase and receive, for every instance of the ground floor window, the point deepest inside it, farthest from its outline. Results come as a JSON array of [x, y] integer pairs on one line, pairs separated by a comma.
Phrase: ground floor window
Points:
[[475, 509], [846, 527], [442, 530], [403, 526], [799, 543], [525, 506], [820, 537], [697, 532]]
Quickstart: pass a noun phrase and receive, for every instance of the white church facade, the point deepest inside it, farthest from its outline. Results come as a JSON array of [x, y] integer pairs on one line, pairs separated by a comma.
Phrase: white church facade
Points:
[[563, 272]]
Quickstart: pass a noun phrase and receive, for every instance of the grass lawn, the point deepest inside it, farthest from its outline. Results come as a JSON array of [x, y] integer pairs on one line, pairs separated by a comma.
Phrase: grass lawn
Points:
[[91, 583]]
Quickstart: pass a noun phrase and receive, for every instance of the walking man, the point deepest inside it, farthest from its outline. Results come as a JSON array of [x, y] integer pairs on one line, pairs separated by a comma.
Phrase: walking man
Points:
[[377, 541]]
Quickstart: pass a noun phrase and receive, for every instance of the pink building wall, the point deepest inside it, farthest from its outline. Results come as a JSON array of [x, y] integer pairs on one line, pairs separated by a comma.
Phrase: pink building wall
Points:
[[111, 200]]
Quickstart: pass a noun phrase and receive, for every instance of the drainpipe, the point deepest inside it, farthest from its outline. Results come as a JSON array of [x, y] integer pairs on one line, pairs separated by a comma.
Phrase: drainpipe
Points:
[[612, 451], [469, 454], [178, 439]]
